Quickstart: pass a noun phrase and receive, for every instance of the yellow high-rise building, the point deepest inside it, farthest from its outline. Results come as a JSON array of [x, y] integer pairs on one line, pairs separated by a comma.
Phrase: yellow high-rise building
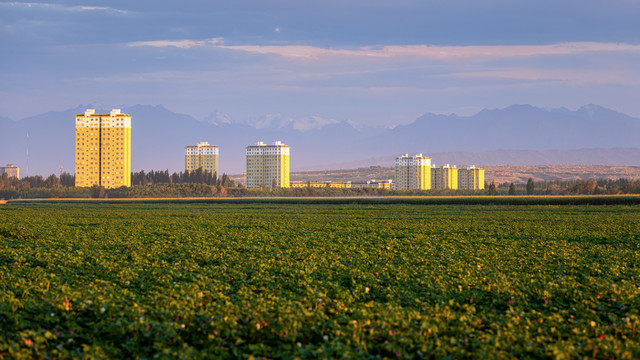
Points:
[[267, 165], [412, 172], [444, 177], [471, 178], [202, 155], [103, 149]]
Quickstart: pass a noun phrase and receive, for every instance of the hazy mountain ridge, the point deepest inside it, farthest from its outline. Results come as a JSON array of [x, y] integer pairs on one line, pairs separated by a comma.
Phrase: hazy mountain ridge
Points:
[[499, 173], [521, 127], [160, 135], [602, 156]]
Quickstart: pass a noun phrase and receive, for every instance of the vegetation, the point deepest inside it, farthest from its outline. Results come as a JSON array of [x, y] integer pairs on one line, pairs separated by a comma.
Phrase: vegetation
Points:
[[159, 184], [491, 190], [576, 187], [136, 280], [198, 176], [365, 200], [530, 186]]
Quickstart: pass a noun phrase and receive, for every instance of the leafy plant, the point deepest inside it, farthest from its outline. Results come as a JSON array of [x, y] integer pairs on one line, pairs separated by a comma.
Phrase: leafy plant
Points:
[[370, 279]]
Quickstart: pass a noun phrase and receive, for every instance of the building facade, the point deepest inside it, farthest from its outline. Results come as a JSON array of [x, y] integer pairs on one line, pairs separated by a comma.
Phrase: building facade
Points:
[[10, 170], [202, 155], [267, 165], [444, 177], [371, 184], [103, 149], [471, 178], [412, 172], [374, 184]]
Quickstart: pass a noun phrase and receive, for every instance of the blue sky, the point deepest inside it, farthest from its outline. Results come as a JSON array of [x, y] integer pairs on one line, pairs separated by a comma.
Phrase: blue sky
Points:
[[372, 62]]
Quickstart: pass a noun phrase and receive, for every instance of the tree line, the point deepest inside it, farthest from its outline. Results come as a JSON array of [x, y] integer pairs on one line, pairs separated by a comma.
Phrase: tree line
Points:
[[201, 183], [198, 176], [570, 187]]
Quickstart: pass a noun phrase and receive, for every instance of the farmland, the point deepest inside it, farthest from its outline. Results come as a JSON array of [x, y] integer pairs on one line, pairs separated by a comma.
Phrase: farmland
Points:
[[314, 280]]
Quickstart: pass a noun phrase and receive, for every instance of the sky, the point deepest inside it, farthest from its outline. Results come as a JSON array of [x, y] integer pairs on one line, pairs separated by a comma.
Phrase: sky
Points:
[[380, 63]]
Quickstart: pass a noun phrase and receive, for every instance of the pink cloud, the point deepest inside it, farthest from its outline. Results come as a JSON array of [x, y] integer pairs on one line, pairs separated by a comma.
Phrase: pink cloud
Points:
[[305, 52], [437, 52]]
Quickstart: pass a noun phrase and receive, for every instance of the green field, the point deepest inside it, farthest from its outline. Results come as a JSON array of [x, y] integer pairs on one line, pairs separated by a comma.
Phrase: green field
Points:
[[310, 280]]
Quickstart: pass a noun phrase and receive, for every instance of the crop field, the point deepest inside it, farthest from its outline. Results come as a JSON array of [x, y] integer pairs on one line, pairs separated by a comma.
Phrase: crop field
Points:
[[269, 280]]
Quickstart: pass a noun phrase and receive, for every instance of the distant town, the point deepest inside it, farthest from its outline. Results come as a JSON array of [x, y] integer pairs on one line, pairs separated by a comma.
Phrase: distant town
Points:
[[103, 159]]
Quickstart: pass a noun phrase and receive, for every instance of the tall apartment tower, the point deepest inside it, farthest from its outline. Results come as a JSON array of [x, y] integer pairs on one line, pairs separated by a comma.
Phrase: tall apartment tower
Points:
[[103, 149], [267, 165], [444, 177], [412, 172], [471, 178], [202, 155], [10, 170]]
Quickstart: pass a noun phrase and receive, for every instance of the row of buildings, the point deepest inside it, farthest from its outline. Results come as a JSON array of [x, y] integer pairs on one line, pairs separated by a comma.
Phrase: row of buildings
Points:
[[372, 184], [414, 173], [103, 157], [268, 166], [103, 154], [417, 173]]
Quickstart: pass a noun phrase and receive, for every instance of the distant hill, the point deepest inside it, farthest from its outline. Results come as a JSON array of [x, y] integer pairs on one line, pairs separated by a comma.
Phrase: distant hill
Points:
[[159, 136], [519, 127], [499, 173], [611, 156]]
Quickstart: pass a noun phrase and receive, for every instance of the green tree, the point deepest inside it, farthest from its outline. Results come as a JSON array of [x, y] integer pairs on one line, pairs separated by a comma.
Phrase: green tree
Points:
[[67, 179], [492, 188], [530, 186], [97, 191], [51, 181], [512, 189], [226, 181]]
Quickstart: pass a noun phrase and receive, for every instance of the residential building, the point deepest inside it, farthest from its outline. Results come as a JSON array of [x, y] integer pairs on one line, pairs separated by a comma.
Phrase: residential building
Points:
[[444, 177], [202, 155], [310, 184], [373, 184], [267, 165], [471, 178], [103, 149], [412, 172], [10, 170], [339, 185]]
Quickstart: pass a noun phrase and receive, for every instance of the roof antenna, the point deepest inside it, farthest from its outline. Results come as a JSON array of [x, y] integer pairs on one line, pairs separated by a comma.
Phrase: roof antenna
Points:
[[27, 154]]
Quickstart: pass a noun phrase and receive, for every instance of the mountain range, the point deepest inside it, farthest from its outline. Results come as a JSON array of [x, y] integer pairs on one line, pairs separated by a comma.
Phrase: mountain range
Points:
[[516, 135]]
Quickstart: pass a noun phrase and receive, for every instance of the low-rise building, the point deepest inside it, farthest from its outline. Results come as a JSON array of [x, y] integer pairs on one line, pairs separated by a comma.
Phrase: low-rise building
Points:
[[320, 184], [312, 184], [374, 184]]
